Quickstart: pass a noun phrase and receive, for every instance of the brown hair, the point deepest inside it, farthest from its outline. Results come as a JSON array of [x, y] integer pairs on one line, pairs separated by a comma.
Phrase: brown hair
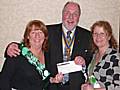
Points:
[[107, 28], [38, 24]]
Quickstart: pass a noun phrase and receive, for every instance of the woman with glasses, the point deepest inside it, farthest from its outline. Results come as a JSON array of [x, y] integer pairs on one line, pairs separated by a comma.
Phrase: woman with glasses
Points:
[[104, 69]]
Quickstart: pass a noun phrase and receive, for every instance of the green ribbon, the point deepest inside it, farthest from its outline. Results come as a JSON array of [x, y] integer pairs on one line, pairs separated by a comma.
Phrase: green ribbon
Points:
[[34, 61], [92, 79]]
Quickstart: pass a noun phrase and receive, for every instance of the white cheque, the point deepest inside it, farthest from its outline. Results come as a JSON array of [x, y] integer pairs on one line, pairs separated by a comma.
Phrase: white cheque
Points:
[[68, 67]]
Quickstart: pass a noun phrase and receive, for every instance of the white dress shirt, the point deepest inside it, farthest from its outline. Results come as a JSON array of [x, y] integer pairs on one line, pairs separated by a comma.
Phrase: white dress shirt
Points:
[[71, 35]]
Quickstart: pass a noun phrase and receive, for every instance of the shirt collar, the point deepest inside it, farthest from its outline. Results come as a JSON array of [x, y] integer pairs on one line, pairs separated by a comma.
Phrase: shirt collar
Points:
[[65, 30]]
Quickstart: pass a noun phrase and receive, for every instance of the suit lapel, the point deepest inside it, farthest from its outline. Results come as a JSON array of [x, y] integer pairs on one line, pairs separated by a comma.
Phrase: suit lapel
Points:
[[76, 43], [59, 44]]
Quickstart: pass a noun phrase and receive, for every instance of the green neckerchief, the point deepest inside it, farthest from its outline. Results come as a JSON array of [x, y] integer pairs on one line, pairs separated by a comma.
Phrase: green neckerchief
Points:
[[91, 77], [34, 61], [91, 67]]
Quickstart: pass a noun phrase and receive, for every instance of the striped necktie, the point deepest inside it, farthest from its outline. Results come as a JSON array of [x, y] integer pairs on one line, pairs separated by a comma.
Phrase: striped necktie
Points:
[[65, 57]]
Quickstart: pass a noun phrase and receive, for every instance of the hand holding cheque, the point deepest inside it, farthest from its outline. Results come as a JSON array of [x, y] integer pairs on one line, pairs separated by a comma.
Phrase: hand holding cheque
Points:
[[71, 66], [68, 67]]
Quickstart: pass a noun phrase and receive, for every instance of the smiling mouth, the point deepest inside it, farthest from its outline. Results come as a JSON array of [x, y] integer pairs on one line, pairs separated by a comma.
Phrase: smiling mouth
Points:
[[70, 22], [99, 41], [37, 40]]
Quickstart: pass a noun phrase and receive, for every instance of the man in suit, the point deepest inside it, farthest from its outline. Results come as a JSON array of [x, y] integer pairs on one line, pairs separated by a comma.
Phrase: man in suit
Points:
[[78, 49]]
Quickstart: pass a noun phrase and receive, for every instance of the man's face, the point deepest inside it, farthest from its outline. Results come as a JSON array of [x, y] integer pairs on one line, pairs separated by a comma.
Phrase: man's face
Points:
[[70, 16]]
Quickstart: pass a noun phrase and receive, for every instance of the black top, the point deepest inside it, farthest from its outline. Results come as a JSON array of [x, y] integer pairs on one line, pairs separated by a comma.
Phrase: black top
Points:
[[18, 73]]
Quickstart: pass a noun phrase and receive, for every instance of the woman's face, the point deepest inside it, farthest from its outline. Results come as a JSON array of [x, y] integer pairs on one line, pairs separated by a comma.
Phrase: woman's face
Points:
[[100, 37], [36, 37]]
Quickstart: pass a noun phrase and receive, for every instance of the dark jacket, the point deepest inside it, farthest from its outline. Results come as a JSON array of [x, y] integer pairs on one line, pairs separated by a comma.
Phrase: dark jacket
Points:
[[81, 47], [18, 73]]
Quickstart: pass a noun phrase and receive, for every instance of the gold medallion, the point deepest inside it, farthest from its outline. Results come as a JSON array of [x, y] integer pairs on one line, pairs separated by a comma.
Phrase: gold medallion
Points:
[[68, 51]]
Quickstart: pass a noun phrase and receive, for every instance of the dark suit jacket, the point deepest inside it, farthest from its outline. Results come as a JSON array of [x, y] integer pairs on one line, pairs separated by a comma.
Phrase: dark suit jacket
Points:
[[18, 73], [81, 47]]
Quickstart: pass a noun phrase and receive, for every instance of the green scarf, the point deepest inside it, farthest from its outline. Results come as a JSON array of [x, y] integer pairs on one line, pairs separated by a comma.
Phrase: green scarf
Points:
[[34, 61], [91, 78]]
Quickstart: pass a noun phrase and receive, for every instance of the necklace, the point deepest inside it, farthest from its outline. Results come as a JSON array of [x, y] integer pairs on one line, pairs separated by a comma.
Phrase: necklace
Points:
[[99, 56]]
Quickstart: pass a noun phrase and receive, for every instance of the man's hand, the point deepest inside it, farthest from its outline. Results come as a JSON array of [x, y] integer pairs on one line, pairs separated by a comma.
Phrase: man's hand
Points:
[[79, 60], [13, 50]]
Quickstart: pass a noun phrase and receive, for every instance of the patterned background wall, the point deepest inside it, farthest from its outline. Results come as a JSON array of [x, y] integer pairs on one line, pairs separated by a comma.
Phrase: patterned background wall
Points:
[[15, 14]]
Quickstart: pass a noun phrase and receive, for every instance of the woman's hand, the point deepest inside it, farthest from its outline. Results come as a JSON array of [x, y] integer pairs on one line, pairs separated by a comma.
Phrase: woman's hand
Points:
[[87, 86], [57, 79]]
